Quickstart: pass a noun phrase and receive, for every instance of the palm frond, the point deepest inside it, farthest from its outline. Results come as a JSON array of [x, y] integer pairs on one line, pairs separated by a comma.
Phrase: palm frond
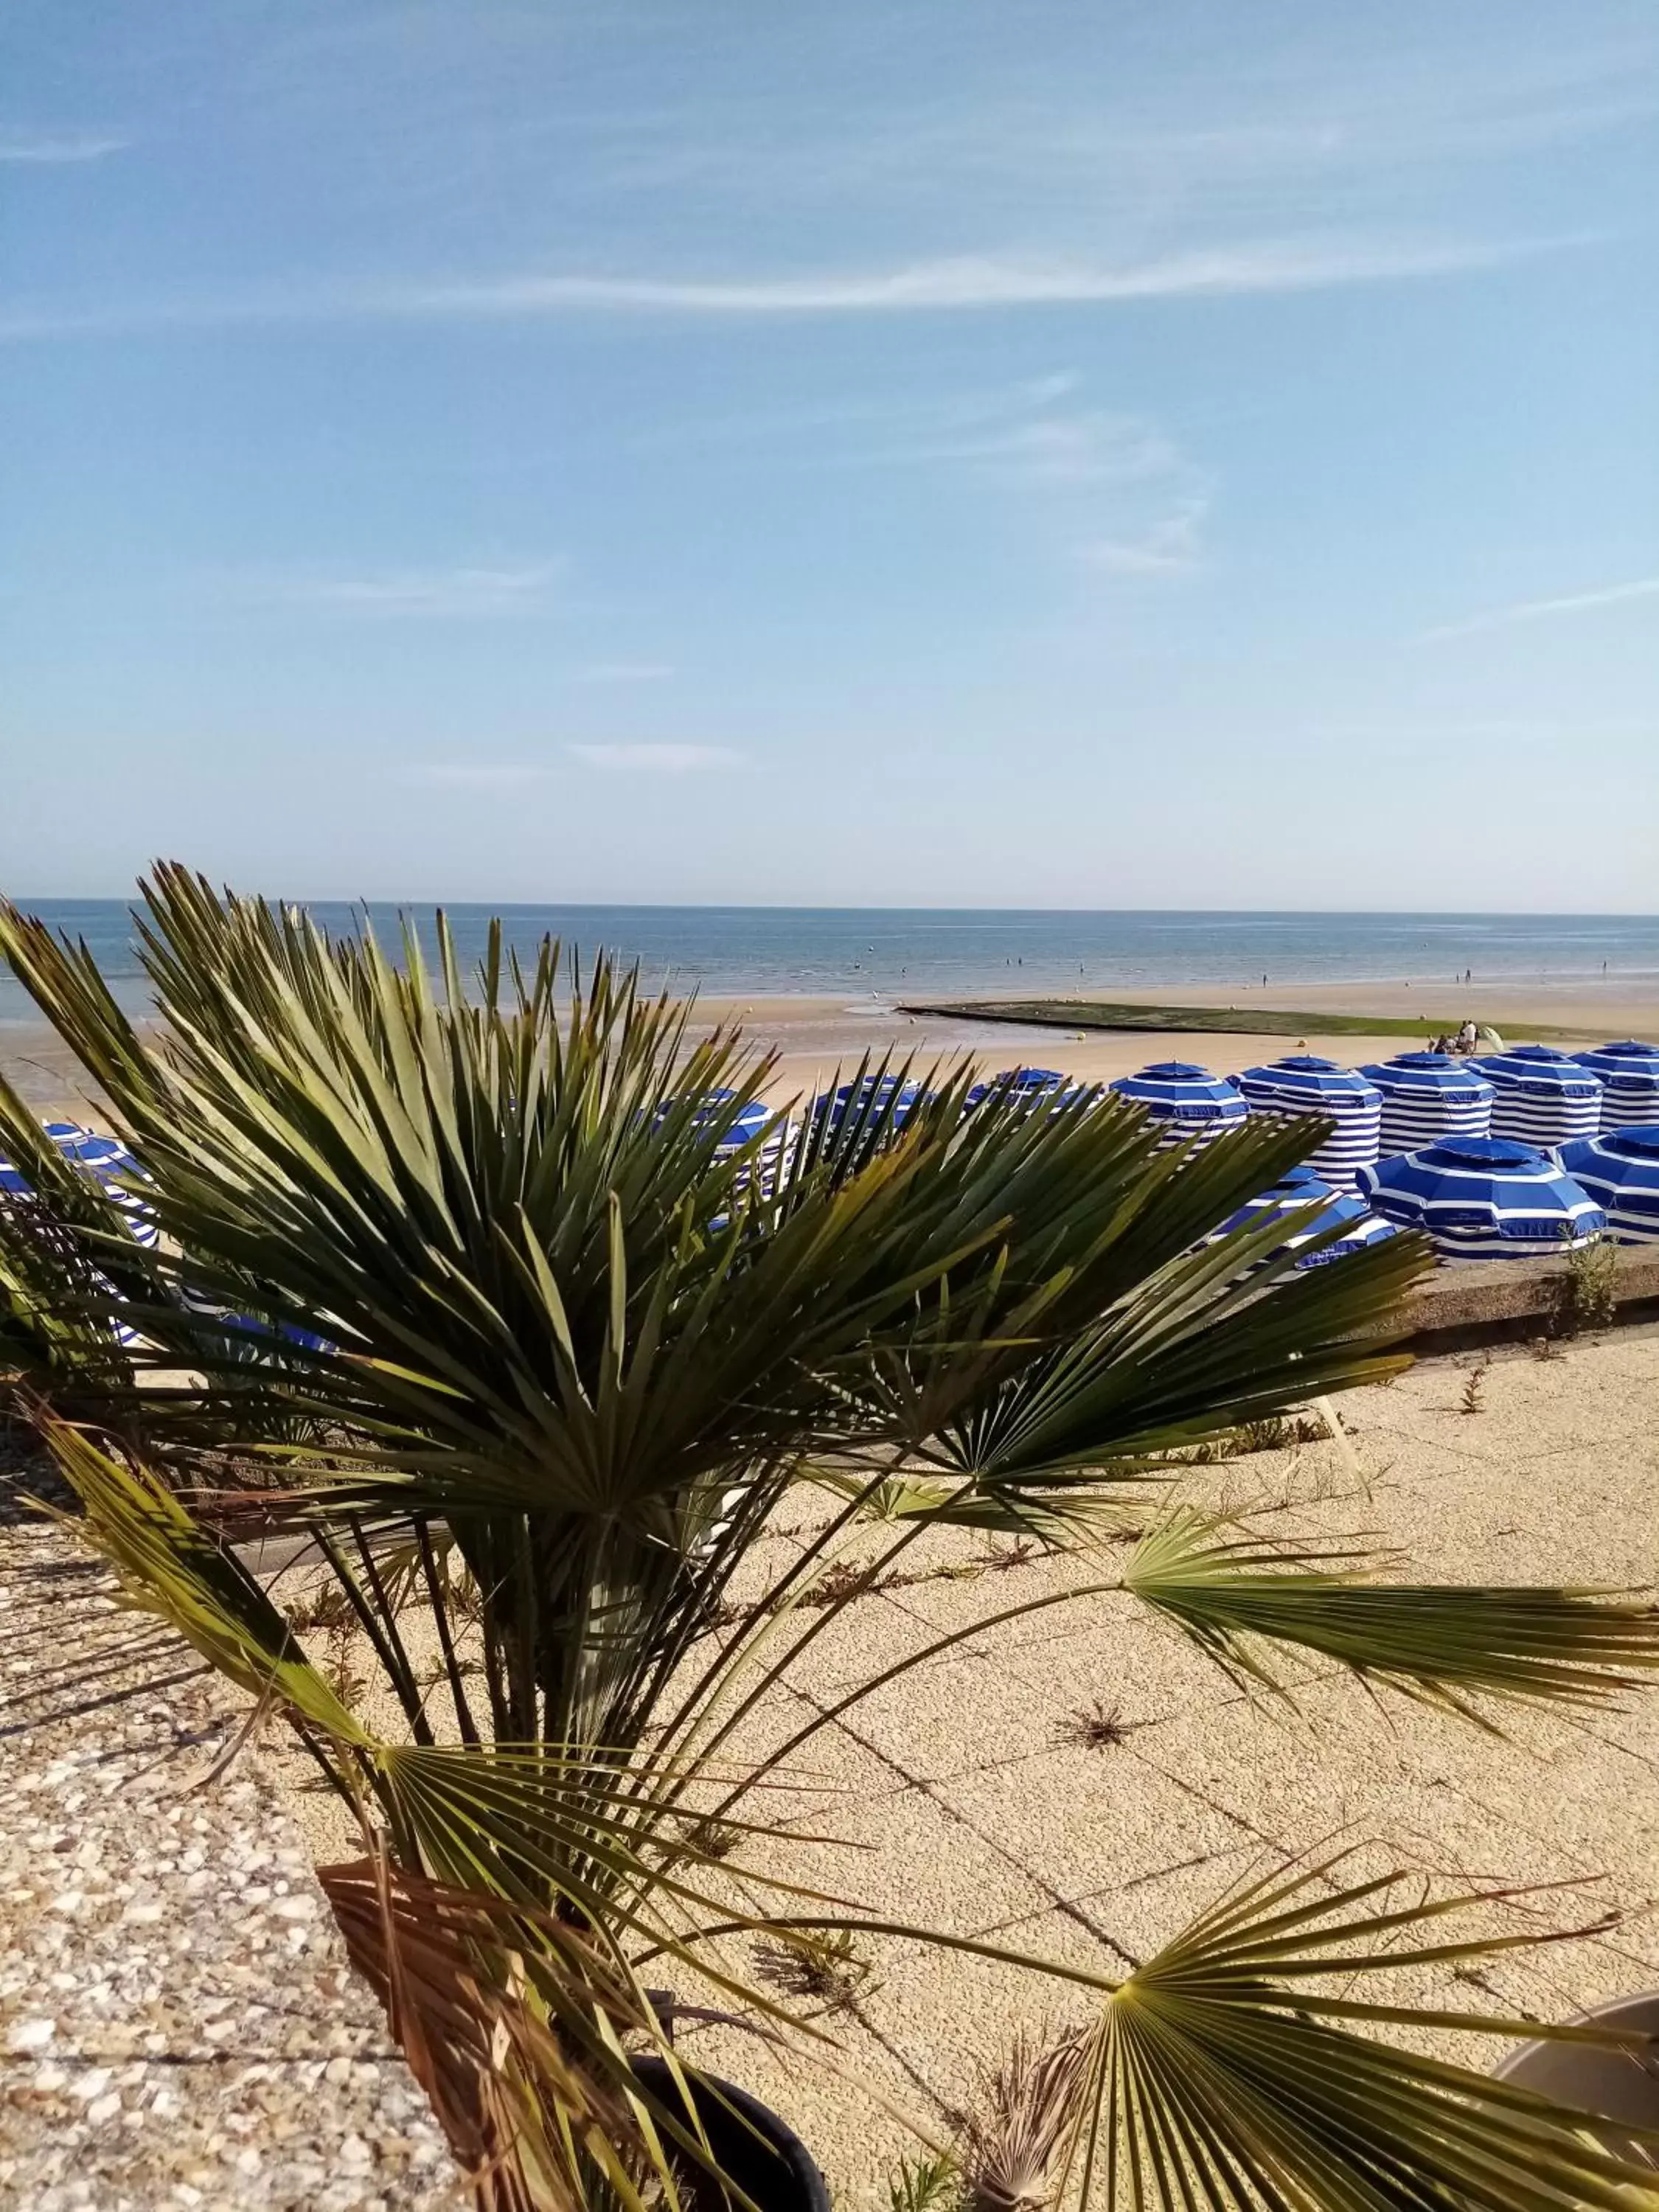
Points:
[[1060, 1517], [1443, 1642], [168, 1566], [1222, 2076], [1018, 2133]]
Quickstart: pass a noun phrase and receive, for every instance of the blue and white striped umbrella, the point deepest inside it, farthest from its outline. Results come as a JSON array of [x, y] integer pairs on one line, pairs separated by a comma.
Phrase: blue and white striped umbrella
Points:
[[106, 1160], [1300, 1188], [1186, 1097], [750, 1120], [1037, 1085], [1484, 1198], [1629, 1078], [1621, 1172], [1544, 1096], [753, 1119], [1304, 1084], [871, 1095], [257, 1332], [89, 1150], [103, 1158], [1427, 1095]]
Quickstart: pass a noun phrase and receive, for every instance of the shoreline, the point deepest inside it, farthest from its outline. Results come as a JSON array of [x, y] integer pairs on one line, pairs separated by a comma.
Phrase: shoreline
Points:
[[816, 1034]]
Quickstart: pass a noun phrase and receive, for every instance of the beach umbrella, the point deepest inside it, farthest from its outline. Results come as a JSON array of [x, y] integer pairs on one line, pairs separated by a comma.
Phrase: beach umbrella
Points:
[[104, 1159], [748, 1122], [869, 1096], [1187, 1098], [1427, 1095], [107, 1161], [1304, 1084], [257, 1331], [753, 1119], [88, 1149], [1484, 1198], [1629, 1080], [1543, 1096], [1037, 1085], [1302, 1187], [1620, 1171]]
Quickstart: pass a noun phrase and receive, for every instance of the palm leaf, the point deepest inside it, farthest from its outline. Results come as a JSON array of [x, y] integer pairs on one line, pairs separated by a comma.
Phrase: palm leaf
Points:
[[1217, 2079], [1443, 1643], [167, 1565]]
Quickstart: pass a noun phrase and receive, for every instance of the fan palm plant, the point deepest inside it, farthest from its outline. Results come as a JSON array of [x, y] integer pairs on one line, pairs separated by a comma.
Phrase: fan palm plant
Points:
[[555, 1350]]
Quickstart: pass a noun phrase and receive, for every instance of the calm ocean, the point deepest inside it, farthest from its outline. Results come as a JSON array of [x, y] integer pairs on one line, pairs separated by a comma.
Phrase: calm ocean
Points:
[[913, 952]]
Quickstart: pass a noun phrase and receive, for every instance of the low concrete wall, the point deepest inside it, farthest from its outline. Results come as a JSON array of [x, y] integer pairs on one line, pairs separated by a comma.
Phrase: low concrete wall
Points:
[[1524, 1298]]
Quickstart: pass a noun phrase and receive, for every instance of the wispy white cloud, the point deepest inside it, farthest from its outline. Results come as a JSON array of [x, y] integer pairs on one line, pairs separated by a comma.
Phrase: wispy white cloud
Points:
[[1077, 446], [976, 282], [620, 760], [622, 672], [1531, 610], [657, 760], [1171, 546], [482, 775], [1261, 126], [965, 284], [40, 151], [434, 595]]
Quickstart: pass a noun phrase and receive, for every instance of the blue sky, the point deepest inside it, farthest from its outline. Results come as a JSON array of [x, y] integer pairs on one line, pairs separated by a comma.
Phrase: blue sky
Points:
[[936, 451]]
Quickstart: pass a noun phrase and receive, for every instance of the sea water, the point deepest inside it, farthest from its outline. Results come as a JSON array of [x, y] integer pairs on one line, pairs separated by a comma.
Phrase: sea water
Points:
[[926, 953]]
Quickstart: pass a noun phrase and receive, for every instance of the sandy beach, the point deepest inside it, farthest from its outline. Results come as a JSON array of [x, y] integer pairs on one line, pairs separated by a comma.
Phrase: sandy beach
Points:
[[814, 1036]]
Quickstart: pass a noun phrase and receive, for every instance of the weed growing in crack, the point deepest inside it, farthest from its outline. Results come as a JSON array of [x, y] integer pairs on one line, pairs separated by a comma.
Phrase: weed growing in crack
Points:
[[997, 1559], [924, 2184], [1096, 1728], [1589, 1292], [822, 1964], [714, 1839], [347, 1680], [327, 1608]]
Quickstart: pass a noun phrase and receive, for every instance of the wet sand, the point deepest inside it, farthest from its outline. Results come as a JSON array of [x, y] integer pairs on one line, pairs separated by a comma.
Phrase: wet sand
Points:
[[814, 1036]]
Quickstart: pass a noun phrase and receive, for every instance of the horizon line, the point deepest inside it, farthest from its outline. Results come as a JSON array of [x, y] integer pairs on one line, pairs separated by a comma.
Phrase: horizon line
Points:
[[405, 900]]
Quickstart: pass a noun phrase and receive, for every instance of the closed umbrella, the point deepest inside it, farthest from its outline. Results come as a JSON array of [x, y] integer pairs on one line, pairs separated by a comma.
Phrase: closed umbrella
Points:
[[1543, 1096], [1621, 1174], [1187, 1098], [1630, 1083], [1302, 1187], [1427, 1095], [1484, 1198], [1304, 1084]]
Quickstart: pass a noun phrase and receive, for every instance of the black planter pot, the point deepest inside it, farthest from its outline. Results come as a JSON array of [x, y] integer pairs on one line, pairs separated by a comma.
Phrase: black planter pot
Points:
[[766, 2160], [1620, 2086]]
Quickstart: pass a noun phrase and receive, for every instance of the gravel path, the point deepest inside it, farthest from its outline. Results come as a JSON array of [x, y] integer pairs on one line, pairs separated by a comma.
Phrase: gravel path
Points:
[[179, 2028]]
